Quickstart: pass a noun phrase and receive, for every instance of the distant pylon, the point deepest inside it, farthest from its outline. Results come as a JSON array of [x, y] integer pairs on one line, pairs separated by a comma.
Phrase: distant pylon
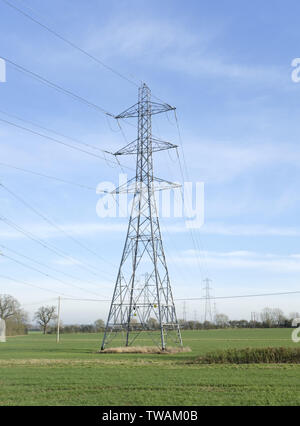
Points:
[[253, 319], [214, 312], [134, 304], [208, 311], [184, 311]]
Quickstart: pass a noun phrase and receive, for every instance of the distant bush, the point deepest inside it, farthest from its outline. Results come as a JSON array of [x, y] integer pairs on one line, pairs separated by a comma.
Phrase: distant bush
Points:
[[16, 326], [279, 355], [75, 328]]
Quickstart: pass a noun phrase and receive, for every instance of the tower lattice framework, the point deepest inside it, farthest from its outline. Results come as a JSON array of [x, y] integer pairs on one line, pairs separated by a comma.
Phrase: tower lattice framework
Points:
[[208, 316], [142, 299]]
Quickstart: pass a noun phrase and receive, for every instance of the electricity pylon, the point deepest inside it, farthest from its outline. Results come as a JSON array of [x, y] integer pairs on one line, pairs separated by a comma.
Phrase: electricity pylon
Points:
[[143, 291], [208, 312]]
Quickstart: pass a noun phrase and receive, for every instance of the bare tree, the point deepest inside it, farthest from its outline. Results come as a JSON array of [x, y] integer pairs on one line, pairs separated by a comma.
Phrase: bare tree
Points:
[[221, 320], [153, 323], [99, 325], [266, 316], [44, 315], [16, 319], [278, 316], [272, 317], [294, 315], [9, 306]]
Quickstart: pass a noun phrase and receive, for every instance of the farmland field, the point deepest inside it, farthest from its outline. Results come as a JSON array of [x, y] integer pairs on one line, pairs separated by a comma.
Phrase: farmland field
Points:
[[34, 370]]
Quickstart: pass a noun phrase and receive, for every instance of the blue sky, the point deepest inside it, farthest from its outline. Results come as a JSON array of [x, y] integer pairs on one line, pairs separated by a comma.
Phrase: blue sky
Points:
[[226, 66]]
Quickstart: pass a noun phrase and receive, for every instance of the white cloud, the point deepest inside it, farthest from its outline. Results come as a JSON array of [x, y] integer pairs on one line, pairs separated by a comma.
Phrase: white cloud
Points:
[[68, 262], [226, 160], [249, 230], [170, 45], [242, 260], [105, 227], [74, 229]]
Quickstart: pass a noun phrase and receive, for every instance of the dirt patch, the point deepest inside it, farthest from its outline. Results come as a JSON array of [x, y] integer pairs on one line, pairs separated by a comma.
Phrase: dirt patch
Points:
[[144, 350]]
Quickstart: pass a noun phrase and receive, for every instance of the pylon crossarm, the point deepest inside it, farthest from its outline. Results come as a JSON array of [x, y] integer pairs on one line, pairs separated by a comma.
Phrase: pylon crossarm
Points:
[[156, 146], [164, 184], [130, 148], [152, 109], [159, 145], [132, 186]]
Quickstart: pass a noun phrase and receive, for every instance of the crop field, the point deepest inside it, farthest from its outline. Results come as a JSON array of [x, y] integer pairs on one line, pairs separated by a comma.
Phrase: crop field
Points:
[[34, 370]]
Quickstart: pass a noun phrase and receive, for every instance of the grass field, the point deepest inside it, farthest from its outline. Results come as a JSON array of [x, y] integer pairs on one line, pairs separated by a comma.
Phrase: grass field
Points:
[[34, 370]]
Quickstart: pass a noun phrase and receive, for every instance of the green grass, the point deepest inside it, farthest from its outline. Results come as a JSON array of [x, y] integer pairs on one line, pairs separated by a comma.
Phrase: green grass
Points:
[[34, 370], [278, 355]]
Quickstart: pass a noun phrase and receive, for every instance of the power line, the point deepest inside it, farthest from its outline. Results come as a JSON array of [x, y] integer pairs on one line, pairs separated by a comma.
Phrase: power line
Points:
[[68, 182], [46, 274], [213, 297], [85, 300], [48, 176], [39, 303], [194, 235], [74, 96], [45, 245], [32, 285], [72, 44], [75, 46], [57, 87], [52, 223], [44, 265], [53, 131], [189, 229], [80, 142], [50, 138], [61, 89], [180, 270], [242, 296]]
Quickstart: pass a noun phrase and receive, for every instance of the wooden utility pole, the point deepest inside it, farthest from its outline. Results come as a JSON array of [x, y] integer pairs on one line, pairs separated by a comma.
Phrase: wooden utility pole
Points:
[[58, 320]]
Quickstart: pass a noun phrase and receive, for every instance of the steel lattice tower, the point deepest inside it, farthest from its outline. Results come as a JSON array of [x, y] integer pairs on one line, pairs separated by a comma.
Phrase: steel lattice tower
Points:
[[142, 290], [208, 312]]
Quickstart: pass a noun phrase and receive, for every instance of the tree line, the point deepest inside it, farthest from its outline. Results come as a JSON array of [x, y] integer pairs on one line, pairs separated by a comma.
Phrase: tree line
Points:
[[45, 318], [267, 318]]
